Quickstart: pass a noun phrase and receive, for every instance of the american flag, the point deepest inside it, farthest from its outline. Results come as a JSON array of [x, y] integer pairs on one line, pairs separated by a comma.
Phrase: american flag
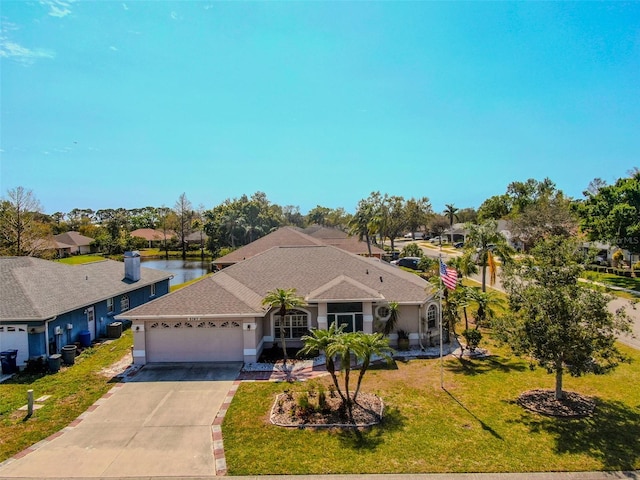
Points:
[[448, 275]]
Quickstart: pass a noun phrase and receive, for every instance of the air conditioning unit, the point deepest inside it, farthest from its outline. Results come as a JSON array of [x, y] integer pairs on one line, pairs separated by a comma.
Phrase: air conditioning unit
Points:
[[57, 331], [69, 326]]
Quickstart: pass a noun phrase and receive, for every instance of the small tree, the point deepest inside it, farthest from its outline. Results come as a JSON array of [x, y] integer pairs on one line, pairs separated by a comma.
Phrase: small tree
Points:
[[560, 325], [283, 300], [411, 250]]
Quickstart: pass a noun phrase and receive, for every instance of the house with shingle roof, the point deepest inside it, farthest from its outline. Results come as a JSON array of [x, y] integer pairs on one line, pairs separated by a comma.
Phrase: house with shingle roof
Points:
[[221, 317], [46, 304], [73, 243], [293, 236]]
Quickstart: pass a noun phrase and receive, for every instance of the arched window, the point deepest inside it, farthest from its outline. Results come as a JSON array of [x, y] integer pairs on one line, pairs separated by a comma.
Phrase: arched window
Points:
[[432, 316], [296, 324]]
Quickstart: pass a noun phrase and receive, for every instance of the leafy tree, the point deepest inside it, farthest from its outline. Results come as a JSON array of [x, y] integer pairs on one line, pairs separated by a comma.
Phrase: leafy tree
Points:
[[496, 208], [417, 213], [393, 221], [184, 211], [612, 214], [438, 225], [22, 234], [467, 215], [560, 325], [484, 242], [284, 300], [365, 222], [318, 216]]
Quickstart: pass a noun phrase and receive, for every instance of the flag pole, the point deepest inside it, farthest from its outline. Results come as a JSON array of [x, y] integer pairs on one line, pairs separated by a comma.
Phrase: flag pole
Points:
[[440, 300]]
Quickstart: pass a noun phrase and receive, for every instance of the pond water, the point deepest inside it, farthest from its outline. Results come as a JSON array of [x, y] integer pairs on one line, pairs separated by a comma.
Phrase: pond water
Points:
[[182, 270]]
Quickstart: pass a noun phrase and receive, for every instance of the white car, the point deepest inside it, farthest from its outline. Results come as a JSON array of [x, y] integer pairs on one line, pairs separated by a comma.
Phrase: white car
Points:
[[438, 240], [416, 235]]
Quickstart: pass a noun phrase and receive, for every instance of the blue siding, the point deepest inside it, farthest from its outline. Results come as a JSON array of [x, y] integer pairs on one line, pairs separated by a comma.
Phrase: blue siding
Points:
[[78, 320]]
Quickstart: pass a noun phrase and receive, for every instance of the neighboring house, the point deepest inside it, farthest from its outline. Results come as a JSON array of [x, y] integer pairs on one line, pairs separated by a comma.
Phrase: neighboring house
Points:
[[73, 243], [154, 237], [196, 238], [340, 239], [221, 317], [292, 236], [46, 304]]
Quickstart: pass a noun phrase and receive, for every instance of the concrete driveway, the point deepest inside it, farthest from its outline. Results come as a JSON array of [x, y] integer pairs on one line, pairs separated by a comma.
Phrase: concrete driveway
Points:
[[159, 423]]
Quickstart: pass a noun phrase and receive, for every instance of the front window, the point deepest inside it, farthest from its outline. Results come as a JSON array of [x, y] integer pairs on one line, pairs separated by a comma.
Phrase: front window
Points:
[[347, 314], [432, 315], [296, 324], [124, 303], [109, 305]]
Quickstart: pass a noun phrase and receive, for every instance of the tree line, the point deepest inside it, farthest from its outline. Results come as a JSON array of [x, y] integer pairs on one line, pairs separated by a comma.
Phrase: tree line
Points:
[[534, 209]]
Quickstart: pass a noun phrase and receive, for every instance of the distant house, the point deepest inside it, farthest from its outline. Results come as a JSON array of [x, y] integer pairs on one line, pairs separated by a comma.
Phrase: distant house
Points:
[[72, 243], [154, 237], [292, 236], [222, 318], [45, 304]]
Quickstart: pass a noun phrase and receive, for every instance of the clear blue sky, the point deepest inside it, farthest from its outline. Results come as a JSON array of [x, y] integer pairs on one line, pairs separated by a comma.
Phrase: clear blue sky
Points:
[[109, 104]]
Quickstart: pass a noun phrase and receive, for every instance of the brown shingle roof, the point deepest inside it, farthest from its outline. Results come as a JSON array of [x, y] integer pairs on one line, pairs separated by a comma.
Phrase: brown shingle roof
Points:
[[73, 238], [282, 237], [149, 234], [316, 272]]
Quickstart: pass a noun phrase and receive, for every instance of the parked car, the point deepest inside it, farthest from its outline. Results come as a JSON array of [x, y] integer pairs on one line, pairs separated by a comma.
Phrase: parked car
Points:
[[458, 245], [407, 262], [438, 240], [416, 235]]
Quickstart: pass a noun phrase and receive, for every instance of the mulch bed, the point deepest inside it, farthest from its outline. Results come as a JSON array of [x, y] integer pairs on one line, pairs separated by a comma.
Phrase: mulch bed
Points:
[[286, 412], [544, 402]]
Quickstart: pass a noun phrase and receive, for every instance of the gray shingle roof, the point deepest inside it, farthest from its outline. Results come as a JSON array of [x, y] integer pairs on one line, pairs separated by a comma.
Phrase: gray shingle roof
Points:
[[36, 289], [73, 238], [316, 272]]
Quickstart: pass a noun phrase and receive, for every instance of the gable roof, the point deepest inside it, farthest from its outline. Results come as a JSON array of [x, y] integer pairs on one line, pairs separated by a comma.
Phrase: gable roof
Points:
[[72, 238], [317, 272], [36, 289]]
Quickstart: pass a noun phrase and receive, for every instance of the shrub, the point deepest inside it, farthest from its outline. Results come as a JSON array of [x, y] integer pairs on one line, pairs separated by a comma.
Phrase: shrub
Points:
[[472, 337], [411, 250]]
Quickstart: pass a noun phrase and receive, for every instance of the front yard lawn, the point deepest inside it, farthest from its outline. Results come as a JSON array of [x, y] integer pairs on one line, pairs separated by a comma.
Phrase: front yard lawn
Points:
[[474, 425], [73, 389]]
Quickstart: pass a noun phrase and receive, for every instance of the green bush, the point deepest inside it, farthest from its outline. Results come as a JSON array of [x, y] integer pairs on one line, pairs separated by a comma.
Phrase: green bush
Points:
[[411, 250], [472, 337]]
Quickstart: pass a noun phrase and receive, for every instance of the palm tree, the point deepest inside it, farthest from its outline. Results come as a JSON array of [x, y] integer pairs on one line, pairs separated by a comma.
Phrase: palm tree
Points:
[[486, 303], [360, 226], [317, 342], [394, 314], [485, 242], [450, 212], [371, 344], [342, 347], [283, 300]]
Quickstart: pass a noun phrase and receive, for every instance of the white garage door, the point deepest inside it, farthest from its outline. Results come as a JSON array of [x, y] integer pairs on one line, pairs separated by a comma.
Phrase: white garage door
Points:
[[194, 341], [15, 337]]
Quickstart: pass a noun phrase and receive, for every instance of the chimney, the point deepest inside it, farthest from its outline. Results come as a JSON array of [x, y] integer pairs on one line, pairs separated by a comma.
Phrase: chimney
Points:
[[132, 266]]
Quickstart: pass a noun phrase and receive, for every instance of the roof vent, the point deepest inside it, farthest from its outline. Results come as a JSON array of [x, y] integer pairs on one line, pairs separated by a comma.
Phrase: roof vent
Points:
[[380, 279]]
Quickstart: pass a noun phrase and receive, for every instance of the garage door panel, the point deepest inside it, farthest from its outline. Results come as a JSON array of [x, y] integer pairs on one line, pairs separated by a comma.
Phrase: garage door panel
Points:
[[194, 341]]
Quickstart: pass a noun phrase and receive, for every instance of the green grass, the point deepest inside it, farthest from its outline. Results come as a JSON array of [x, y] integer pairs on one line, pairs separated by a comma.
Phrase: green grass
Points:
[[73, 389], [173, 288], [630, 283], [473, 425], [78, 259]]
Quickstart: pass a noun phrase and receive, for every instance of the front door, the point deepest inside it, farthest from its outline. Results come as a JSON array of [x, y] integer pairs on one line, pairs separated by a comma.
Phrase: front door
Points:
[[91, 322], [347, 319]]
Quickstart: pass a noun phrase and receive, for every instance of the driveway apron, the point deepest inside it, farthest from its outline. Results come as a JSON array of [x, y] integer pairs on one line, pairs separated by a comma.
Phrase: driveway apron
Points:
[[159, 423]]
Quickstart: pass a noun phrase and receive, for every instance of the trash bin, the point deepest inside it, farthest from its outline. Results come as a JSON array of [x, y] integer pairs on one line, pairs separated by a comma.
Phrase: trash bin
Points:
[[54, 362], [84, 338], [8, 361], [114, 330], [69, 354]]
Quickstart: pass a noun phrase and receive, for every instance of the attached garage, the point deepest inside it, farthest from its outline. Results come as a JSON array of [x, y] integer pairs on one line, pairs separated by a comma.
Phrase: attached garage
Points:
[[194, 341], [15, 337]]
